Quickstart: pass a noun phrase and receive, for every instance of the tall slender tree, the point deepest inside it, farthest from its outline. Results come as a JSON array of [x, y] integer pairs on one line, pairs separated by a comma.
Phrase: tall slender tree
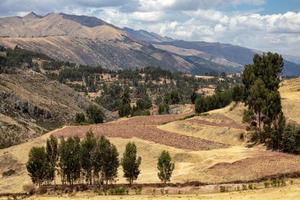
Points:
[[165, 167], [70, 159], [106, 161], [261, 83], [52, 156], [38, 165], [111, 164], [88, 146], [125, 108], [131, 163]]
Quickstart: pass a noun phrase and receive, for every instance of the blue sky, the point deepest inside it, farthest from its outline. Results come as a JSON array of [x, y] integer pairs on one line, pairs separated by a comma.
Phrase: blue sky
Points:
[[281, 6], [268, 25], [268, 7]]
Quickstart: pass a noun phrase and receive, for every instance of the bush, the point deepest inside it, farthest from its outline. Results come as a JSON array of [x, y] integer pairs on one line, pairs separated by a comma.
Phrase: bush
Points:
[[94, 114], [163, 109], [223, 188], [144, 104], [242, 136], [291, 139], [173, 97], [137, 112], [9, 172], [124, 110], [118, 191], [267, 184], [138, 190], [250, 186], [80, 118], [248, 116]]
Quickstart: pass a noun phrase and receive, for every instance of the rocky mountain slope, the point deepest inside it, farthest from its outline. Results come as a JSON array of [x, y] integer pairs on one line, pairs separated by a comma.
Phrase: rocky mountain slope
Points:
[[89, 40], [31, 104]]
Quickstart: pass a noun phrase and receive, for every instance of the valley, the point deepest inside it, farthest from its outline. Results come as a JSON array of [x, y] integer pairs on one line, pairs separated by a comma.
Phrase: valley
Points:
[[81, 99]]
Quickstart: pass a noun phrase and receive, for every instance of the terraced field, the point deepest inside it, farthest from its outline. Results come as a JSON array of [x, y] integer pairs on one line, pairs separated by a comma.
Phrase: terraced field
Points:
[[207, 148]]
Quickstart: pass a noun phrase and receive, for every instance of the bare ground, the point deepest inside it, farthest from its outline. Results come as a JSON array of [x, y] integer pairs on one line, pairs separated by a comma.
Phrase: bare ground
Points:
[[144, 128]]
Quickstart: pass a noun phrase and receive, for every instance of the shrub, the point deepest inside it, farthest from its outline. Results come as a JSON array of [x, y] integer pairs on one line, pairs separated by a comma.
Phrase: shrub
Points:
[[250, 186], [138, 190], [247, 116], [173, 97], [9, 172], [283, 183], [138, 112], [94, 114], [291, 139], [80, 118], [163, 109], [118, 191], [223, 188], [143, 104], [275, 183], [242, 136], [124, 110], [267, 184]]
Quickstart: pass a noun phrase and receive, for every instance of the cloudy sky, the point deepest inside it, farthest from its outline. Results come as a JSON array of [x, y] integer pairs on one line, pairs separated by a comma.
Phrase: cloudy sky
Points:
[[270, 25]]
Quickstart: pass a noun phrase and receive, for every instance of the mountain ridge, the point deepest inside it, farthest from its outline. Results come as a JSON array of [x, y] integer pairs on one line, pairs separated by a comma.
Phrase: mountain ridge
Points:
[[92, 41]]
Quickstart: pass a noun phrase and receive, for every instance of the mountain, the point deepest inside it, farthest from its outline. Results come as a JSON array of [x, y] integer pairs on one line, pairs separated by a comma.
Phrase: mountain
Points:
[[146, 36], [92, 41]]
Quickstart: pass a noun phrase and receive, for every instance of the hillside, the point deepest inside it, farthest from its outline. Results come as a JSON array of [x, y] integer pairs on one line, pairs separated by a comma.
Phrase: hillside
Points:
[[210, 150], [31, 104], [44, 94], [88, 40]]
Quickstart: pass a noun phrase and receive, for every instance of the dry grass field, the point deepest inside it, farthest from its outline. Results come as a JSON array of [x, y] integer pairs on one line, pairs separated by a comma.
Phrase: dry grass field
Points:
[[290, 93], [205, 148], [290, 192]]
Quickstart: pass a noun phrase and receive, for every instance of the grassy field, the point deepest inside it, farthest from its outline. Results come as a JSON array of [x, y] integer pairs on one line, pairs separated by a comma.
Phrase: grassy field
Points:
[[205, 148], [290, 93]]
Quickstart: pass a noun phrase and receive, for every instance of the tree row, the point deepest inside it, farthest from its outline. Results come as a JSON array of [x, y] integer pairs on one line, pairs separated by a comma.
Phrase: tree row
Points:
[[91, 160]]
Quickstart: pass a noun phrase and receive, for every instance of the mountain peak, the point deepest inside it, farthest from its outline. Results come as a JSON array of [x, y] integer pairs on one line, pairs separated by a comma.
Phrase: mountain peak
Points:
[[32, 15], [84, 20]]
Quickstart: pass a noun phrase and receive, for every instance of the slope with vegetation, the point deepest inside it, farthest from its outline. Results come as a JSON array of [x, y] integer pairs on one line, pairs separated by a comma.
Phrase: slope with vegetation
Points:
[[31, 103], [208, 147], [227, 163]]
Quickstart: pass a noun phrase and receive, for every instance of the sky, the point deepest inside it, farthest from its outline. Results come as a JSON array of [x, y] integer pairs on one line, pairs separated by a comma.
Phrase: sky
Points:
[[268, 25]]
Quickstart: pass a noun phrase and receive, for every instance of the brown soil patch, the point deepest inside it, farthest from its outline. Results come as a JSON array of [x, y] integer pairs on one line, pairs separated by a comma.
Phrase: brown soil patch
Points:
[[223, 121], [145, 128], [264, 165]]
